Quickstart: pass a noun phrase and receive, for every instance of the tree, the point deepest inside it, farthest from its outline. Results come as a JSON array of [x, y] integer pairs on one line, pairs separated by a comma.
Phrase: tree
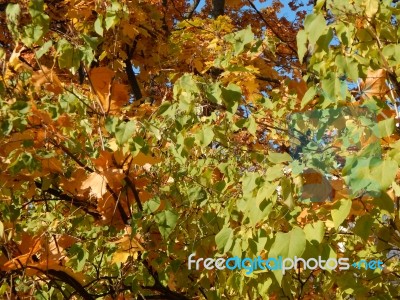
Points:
[[135, 133]]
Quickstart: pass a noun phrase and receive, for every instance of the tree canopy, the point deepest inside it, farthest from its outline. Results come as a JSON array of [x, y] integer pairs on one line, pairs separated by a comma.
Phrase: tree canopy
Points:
[[134, 133]]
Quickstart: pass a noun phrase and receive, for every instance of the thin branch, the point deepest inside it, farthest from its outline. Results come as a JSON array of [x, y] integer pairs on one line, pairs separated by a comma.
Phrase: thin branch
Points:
[[71, 155], [135, 193], [268, 79], [192, 9], [84, 205]]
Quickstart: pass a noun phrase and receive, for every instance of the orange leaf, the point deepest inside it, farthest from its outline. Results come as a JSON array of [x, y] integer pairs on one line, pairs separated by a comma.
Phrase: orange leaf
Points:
[[119, 96], [101, 79], [142, 159]]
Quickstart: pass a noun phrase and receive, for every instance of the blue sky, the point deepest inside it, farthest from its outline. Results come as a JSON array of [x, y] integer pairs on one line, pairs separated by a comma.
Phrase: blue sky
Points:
[[286, 11]]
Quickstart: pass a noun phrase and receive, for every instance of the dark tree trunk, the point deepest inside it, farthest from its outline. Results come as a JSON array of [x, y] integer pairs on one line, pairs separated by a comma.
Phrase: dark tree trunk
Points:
[[218, 8]]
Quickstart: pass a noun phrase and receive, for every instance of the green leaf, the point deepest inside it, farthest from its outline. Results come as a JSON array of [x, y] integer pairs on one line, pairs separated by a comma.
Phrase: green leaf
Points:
[[43, 50], [240, 39], [166, 221], [69, 57], [249, 182], [384, 203], [40, 23], [289, 245], [80, 255], [20, 106], [385, 128], [214, 92], [340, 212], [87, 54], [301, 44], [224, 239], [232, 96], [278, 158], [308, 96], [266, 191], [314, 25], [111, 124], [92, 41], [98, 25], [363, 227], [112, 14], [371, 7], [197, 194], [205, 136], [13, 11], [124, 131], [392, 54], [6, 126], [32, 34], [384, 173], [315, 231], [152, 205]]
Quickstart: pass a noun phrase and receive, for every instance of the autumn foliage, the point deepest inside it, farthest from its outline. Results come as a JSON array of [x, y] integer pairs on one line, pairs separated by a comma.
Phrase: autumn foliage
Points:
[[135, 133]]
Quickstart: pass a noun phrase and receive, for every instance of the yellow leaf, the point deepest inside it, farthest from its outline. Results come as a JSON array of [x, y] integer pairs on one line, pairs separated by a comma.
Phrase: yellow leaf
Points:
[[126, 247], [120, 257]]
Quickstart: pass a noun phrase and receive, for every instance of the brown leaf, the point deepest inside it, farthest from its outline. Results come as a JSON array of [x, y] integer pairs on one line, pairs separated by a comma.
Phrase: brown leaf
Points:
[[375, 84]]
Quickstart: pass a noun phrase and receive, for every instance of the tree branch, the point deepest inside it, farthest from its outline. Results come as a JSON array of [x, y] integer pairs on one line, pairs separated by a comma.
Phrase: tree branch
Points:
[[84, 205], [268, 79], [131, 74]]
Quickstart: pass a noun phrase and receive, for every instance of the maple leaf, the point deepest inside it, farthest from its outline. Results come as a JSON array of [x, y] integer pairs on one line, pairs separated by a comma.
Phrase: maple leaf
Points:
[[101, 79], [374, 84], [96, 183]]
